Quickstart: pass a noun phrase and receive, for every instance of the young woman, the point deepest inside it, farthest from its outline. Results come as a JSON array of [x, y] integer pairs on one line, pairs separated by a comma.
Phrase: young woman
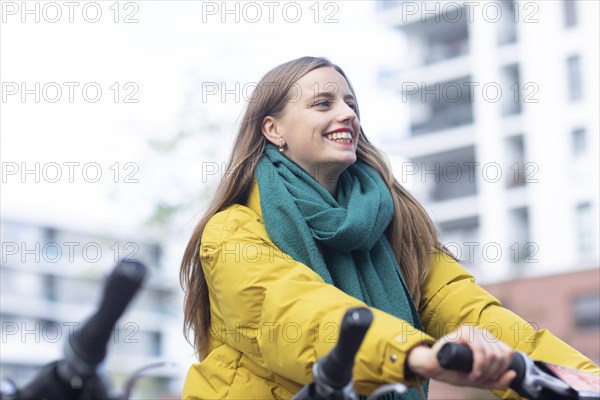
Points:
[[309, 222]]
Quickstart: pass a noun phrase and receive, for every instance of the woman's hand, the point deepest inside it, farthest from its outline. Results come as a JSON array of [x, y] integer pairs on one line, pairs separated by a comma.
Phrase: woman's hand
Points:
[[490, 360]]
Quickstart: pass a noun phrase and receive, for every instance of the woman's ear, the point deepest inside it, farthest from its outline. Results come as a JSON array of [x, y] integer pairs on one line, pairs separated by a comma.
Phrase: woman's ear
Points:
[[270, 131]]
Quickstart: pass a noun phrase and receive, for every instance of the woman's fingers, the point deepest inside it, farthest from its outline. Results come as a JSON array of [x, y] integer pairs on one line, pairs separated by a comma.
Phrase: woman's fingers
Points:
[[491, 359]]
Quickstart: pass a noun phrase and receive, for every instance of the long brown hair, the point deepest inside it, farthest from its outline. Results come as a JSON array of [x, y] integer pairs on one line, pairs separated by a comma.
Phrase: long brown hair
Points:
[[411, 233]]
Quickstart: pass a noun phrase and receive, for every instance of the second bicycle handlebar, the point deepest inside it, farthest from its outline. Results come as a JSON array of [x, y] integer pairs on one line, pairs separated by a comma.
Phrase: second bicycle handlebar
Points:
[[460, 358], [534, 380], [75, 376], [333, 373]]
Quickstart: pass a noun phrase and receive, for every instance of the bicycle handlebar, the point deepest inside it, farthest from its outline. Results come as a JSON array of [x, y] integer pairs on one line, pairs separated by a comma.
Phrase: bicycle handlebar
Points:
[[532, 380], [460, 358], [336, 367], [121, 285], [75, 376], [333, 373]]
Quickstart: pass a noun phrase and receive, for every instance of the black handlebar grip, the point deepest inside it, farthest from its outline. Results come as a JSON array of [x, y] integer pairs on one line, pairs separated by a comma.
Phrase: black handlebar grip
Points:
[[456, 357], [336, 367], [459, 357], [89, 342]]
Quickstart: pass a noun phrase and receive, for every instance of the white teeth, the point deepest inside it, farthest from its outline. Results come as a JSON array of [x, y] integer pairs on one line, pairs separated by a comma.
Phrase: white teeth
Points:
[[339, 135]]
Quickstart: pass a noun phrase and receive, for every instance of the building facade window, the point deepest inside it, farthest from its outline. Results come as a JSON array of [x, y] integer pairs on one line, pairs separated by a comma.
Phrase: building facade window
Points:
[[387, 4], [50, 287], [575, 85], [511, 83], [441, 105], [569, 13], [578, 141], [461, 238], [507, 28], [518, 170], [447, 41], [583, 221], [448, 175], [522, 249], [586, 311]]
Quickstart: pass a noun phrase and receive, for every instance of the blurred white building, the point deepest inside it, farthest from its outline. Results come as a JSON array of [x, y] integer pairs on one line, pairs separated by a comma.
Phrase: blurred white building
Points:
[[503, 143], [52, 280]]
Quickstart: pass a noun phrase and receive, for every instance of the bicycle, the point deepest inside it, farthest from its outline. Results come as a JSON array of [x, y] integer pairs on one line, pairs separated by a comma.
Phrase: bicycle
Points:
[[78, 376], [333, 373], [535, 380]]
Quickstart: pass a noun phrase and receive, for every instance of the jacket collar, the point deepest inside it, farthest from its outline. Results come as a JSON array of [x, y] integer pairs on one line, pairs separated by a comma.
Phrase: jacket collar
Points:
[[253, 201]]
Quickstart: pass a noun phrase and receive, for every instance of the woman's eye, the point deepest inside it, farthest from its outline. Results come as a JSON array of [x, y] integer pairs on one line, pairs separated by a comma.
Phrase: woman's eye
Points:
[[323, 103], [327, 103]]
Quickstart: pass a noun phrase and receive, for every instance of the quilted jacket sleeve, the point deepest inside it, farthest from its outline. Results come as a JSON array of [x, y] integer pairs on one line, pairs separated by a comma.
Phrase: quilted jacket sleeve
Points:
[[452, 298]]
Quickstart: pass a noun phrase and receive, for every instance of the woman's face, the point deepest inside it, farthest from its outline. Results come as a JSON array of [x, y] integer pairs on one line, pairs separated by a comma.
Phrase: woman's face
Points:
[[319, 124]]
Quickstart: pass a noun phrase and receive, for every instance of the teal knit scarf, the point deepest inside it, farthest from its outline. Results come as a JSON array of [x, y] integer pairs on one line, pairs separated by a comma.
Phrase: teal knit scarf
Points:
[[341, 239]]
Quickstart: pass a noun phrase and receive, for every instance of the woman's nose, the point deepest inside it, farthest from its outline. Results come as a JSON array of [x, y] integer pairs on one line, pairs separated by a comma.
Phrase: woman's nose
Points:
[[346, 113]]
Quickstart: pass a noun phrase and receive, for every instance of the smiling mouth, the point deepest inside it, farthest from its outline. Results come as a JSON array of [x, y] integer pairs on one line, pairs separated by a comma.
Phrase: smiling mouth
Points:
[[340, 137]]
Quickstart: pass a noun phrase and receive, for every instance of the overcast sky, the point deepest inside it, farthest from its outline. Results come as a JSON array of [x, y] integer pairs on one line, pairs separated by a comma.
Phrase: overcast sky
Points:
[[86, 85]]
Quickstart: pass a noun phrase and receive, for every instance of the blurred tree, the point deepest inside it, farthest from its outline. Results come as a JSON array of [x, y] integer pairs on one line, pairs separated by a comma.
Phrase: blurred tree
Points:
[[186, 165]]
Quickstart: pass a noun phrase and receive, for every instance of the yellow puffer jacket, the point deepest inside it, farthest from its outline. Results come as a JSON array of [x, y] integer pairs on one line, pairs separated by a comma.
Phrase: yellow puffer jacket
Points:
[[272, 317]]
